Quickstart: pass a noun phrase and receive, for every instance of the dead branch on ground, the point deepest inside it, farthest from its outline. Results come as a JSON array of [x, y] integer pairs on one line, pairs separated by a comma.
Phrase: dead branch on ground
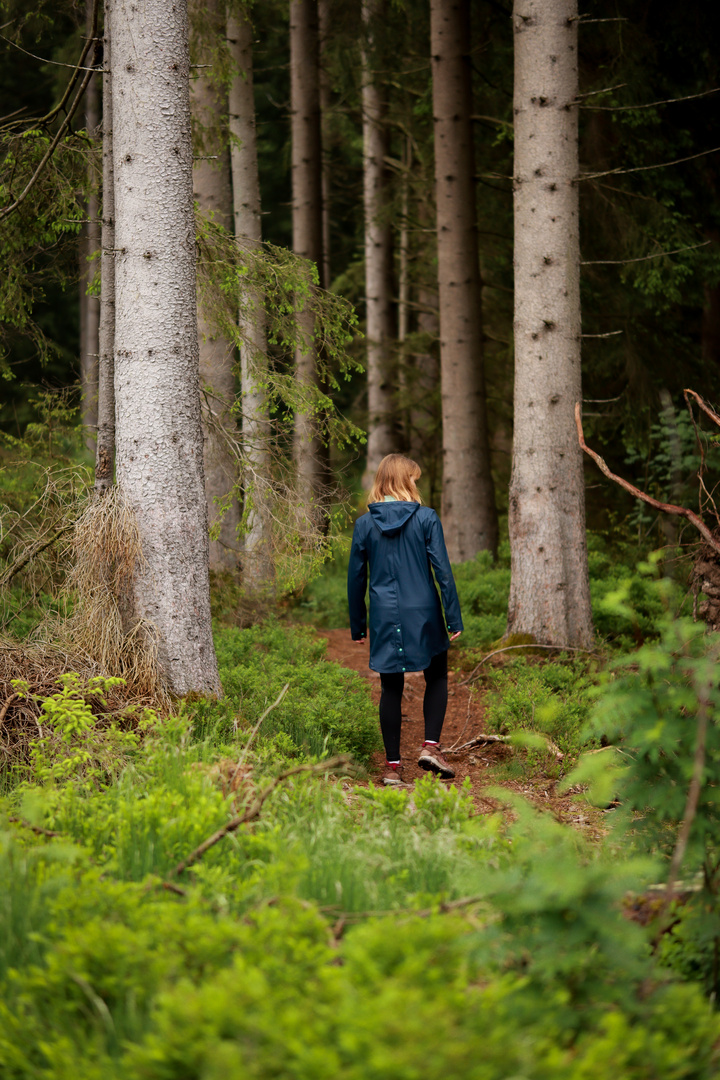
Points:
[[342, 761]]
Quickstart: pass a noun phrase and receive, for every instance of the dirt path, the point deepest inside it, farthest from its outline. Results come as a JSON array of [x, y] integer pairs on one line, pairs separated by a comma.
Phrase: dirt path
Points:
[[464, 719]]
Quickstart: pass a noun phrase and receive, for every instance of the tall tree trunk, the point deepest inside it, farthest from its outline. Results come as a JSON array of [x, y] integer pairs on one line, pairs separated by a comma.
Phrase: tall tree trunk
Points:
[[380, 329], [211, 183], [89, 245], [307, 223], [468, 499], [105, 449], [325, 105], [157, 379], [425, 420], [257, 542], [549, 592]]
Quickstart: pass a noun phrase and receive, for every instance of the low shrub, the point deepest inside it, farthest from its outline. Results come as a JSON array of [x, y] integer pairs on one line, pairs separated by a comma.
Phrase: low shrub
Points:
[[326, 709], [549, 697]]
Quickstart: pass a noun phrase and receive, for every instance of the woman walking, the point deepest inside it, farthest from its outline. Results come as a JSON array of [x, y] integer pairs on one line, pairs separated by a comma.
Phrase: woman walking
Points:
[[401, 541]]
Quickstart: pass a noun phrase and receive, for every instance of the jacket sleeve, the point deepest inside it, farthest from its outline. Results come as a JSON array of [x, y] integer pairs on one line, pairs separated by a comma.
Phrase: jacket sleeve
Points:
[[437, 553], [357, 584]]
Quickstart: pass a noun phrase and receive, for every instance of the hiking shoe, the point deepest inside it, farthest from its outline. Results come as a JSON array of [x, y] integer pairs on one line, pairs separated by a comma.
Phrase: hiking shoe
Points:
[[393, 775], [432, 760]]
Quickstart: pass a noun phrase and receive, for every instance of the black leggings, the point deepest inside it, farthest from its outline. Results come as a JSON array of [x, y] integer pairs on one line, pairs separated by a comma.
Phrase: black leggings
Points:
[[434, 704]]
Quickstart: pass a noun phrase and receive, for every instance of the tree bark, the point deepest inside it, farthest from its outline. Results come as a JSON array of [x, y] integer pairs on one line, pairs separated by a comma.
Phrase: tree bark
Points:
[[157, 385], [380, 314], [549, 593], [307, 225], [213, 194], [468, 499], [89, 245], [257, 541], [105, 449], [325, 105]]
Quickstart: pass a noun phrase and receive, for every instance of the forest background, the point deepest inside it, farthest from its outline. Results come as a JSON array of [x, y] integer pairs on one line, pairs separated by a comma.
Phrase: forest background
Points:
[[202, 885]]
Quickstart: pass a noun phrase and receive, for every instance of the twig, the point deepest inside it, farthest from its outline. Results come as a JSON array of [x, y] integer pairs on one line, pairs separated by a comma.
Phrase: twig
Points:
[[255, 730], [34, 828], [611, 333], [253, 811], [478, 740], [703, 405], [443, 908], [651, 104], [641, 258], [30, 553], [55, 63], [645, 168], [529, 645], [667, 508], [6, 210], [6, 706]]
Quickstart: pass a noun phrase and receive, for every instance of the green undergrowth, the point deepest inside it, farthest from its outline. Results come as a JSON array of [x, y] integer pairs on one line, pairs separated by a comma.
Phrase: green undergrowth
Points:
[[483, 588], [326, 707], [348, 930], [549, 697]]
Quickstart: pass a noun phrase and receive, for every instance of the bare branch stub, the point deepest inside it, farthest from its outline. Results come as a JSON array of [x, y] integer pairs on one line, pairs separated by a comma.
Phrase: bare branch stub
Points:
[[665, 508]]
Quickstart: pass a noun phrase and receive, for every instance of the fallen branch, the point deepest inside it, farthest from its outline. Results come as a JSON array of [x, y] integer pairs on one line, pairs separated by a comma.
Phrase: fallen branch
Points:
[[478, 740], [30, 553], [529, 645], [666, 508], [253, 811], [34, 828], [255, 730]]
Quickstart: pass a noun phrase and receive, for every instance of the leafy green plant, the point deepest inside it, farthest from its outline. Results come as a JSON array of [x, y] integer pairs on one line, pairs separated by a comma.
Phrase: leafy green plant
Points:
[[76, 742], [659, 709], [326, 709], [551, 698]]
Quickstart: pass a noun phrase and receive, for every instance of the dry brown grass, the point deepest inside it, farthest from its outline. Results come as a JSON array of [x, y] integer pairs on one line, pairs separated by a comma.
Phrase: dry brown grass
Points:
[[95, 633]]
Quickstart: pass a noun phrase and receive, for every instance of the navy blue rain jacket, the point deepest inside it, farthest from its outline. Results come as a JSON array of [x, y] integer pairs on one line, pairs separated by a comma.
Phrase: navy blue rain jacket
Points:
[[400, 542]]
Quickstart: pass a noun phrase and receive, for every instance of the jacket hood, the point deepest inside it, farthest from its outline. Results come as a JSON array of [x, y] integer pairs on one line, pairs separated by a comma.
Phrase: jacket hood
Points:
[[391, 516]]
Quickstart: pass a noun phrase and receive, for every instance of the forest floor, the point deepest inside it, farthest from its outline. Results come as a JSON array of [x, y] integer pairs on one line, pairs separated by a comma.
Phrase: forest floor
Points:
[[489, 766]]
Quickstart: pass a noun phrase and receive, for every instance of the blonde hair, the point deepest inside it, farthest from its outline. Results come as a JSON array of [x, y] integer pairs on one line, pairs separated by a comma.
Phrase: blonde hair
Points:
[[396, 476]]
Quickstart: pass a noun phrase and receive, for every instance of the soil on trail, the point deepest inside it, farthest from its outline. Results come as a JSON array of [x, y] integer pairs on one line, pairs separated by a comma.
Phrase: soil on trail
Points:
[[463, 721]]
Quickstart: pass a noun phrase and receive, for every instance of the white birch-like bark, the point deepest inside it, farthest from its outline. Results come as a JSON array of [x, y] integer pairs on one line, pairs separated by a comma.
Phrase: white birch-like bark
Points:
[[380, 320], [468, 498], [213, 194], [105, 449], [89, 246], [157, 383], [549, 592], [306, 138], [257, 541]]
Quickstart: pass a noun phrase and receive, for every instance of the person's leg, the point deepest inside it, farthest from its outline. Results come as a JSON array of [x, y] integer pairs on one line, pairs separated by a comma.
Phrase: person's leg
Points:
[[434, 708], [436, 696], [391, 713]]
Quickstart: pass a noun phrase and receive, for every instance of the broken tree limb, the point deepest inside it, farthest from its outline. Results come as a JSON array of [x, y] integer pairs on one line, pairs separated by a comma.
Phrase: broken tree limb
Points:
[[253, 811], [666, 508], [478, 740], [703, 405]]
